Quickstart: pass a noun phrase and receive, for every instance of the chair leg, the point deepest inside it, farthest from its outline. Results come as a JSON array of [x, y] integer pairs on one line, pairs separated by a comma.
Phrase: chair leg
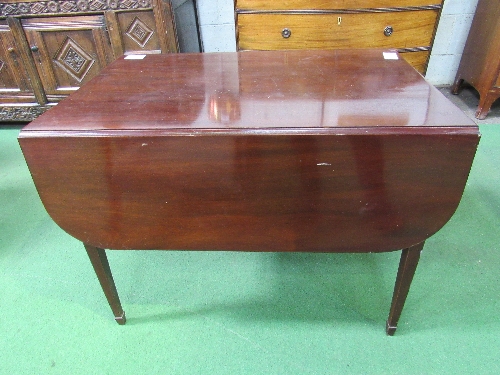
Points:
[[407, 266], [101, 267]]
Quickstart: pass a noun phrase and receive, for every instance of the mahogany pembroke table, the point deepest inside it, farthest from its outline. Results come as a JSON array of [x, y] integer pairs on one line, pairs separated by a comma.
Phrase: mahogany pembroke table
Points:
[[310, 151]]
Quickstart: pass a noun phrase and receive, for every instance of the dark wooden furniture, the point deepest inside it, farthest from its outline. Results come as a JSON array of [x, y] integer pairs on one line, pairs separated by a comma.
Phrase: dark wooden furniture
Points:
[[407, 25], [480, 63], [48, 49], [313, 151]]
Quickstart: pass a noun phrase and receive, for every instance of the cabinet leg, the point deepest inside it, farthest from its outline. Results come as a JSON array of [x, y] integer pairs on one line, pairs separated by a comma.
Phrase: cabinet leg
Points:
[[101, 267], [457, 85], [407, 266], [485, 103]]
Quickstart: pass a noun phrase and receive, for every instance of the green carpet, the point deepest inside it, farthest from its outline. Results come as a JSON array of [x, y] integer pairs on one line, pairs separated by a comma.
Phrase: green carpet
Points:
[[248, 313]]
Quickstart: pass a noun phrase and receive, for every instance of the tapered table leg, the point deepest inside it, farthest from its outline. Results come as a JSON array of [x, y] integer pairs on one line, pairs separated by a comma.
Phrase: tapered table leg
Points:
[[101, 267], [407, 266]]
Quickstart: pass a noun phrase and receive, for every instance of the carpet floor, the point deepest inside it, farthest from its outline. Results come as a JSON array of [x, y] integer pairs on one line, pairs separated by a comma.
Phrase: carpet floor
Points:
[[248, 313]]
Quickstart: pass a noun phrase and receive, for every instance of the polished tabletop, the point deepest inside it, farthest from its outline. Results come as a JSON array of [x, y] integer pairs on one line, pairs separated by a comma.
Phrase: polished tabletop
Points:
[[255, 90]]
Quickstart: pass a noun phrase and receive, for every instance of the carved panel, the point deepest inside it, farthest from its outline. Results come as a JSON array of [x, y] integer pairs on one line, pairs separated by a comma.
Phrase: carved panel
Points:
[[21, 113], [73, 59], [68, 54], [69, 6], [139, 32]]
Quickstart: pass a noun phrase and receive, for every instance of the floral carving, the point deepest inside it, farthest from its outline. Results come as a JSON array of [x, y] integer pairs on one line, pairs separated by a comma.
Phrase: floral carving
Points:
[[83, 5], [73, 59], [69, 6], [53, 6], [139, 32], [23, 8], [21, 113]]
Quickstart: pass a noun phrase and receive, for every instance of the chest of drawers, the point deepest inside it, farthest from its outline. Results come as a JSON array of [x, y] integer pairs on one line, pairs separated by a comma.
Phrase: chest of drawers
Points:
[[405, 25], [480, 63]]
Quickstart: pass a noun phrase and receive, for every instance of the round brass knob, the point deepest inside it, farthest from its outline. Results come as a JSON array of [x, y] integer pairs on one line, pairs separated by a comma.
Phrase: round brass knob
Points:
[[388, 31], [11, 49], [286, 33]]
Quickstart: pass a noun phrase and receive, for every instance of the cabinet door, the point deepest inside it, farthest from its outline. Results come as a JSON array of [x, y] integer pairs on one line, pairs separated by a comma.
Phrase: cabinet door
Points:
[[134, 32], [68, 51], [14, 83], [143, 31]]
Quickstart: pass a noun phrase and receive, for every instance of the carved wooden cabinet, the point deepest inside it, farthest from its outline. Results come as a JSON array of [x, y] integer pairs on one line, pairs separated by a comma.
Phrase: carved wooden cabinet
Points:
[[480, 63], [48, 49], [406, 25]]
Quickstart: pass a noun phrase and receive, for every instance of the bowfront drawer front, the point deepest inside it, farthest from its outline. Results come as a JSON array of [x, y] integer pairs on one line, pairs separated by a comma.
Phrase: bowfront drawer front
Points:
[[417, 59], [405, 25], [266, 5], [271, 31]]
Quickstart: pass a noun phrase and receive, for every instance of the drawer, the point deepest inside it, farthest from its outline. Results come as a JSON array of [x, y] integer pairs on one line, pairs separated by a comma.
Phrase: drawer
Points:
[[336, 30], [418, 59], [330, 4]]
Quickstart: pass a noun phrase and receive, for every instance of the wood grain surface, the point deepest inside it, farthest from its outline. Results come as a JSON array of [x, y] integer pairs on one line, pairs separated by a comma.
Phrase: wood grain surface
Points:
[[325, 31], [329, 4]]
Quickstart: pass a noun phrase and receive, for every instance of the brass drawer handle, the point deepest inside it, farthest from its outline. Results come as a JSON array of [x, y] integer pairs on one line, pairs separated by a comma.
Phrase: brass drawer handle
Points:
[[286, 33], [388, 31]]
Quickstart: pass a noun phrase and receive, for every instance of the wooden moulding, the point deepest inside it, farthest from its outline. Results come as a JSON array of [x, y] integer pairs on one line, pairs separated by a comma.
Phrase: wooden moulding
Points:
[[60, 7], [332, 4]]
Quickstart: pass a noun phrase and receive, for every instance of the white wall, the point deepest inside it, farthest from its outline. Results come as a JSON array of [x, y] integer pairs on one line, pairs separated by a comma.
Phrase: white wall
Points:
[[216, 18], [451, 35]]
